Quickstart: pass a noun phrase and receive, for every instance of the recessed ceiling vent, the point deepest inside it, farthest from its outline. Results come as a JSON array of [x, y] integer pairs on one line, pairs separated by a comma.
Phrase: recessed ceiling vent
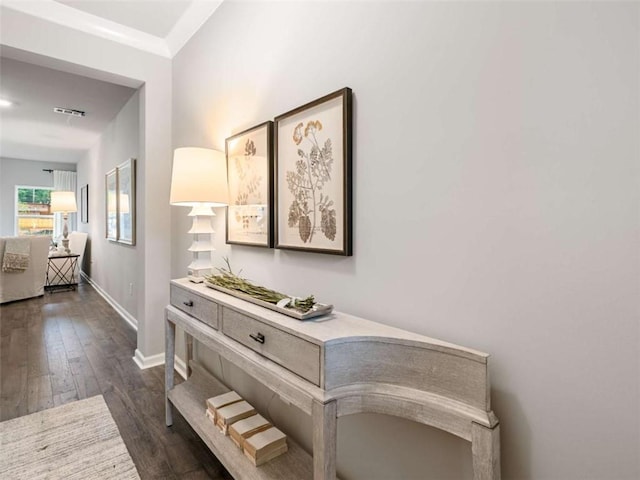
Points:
[[69, 111]]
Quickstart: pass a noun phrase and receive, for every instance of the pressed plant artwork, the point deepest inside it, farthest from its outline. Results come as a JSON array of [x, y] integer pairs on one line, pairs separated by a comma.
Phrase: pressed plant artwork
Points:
[[249, 181], [249, 177], [310, 206], [313, 176]]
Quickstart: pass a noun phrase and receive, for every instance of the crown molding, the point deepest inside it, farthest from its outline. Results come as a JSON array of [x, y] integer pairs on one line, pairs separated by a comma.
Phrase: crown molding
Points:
[[49, 10], [189, 23]]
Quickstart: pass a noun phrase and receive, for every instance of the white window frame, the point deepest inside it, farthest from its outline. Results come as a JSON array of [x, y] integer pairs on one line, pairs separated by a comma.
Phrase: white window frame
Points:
[[16, 214]]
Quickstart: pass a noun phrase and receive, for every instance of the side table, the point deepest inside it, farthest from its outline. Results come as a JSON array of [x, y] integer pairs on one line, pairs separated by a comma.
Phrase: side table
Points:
[[61, 272]]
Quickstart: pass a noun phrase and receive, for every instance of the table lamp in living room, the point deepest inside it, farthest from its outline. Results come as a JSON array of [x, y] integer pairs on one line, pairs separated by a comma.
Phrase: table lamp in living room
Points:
[[199, 180], [65, 203]]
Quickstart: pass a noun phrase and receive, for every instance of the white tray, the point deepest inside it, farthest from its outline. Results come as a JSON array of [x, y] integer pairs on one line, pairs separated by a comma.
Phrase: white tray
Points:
[[317, 310]]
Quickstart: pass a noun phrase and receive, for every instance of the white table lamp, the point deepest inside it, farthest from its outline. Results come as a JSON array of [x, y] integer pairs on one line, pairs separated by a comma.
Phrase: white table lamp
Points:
[[65, 203], [199, 180]]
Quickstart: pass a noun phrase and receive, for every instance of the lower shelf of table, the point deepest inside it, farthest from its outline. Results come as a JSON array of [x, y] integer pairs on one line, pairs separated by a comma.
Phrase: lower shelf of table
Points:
[[189, 398], [61, 287]]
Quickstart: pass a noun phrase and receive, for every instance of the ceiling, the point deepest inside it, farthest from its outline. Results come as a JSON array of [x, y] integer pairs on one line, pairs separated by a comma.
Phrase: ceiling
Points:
[[151, 16], [29, 129]]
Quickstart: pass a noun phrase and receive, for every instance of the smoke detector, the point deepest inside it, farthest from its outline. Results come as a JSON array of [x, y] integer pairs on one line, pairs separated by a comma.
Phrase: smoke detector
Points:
[[69, 111]]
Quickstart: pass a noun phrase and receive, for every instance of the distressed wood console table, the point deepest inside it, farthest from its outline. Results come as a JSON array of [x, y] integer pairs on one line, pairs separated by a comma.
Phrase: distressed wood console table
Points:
[[328, 367]]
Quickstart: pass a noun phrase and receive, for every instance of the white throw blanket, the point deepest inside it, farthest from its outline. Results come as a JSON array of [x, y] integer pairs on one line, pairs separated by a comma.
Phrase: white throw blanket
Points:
[[16, 255]]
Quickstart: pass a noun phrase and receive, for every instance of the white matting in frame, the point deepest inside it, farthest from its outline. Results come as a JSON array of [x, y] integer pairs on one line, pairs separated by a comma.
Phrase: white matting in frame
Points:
[[250, 179]]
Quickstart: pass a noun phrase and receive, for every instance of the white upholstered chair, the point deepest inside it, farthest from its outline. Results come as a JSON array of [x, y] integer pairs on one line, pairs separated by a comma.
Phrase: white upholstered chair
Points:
[[30, 282]]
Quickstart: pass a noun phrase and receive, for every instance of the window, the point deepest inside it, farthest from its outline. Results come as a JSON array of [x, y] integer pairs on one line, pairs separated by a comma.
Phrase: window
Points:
[[33, 211]]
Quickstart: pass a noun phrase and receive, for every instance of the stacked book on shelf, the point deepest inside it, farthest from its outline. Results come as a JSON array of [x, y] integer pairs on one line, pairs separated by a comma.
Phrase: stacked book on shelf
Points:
[[244, 429], [251, 432], [265, 446]]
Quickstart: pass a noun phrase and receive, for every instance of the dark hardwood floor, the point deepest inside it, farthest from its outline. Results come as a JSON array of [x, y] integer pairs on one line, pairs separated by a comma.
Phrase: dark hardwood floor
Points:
[[67, 346]]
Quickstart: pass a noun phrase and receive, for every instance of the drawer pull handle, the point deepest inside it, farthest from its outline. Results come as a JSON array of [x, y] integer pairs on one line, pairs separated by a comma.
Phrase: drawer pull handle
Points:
[[189, 303], [257, 337]]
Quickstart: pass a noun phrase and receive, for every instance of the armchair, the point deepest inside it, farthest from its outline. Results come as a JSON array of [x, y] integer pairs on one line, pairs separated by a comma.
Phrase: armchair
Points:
[[30, 282]]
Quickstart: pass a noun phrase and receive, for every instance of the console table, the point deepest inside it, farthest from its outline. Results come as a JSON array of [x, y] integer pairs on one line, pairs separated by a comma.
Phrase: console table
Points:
[[328, 367]]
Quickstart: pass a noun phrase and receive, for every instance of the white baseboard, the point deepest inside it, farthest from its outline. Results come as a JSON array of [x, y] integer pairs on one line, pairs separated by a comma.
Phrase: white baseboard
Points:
[[181, 367], [155, 360], [148, 362], [116, 306], [142, 361]]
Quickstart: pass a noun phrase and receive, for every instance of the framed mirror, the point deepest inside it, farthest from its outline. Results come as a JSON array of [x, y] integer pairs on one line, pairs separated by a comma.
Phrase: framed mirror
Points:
[[127, 202], [111, 202], [120, 193]]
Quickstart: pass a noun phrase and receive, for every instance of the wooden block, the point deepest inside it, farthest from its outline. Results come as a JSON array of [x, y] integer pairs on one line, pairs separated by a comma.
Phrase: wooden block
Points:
[[243, 429], [211, 416], [219, 401], [265, 445], [269, 456], [230, 414], [223, 400]]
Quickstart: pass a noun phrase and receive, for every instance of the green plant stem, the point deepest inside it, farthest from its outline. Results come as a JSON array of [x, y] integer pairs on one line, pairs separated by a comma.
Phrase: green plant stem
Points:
[[229, 280]]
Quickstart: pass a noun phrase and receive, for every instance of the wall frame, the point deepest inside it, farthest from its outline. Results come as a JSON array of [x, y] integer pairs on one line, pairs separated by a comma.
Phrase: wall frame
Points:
[[111, 204], [127, 202], [250, 179], [84, 204], [313, 179], [120, 203]]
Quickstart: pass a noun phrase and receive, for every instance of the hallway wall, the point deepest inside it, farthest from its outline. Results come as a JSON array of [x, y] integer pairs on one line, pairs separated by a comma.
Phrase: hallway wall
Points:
[[496, 198]]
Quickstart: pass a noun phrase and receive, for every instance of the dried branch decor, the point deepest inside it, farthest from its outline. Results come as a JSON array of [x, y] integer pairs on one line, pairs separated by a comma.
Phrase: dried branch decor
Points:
[[231, 281]]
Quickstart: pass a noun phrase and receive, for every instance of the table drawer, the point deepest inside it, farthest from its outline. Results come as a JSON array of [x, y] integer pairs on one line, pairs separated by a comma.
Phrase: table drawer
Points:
[[204, 310], [293, 353]]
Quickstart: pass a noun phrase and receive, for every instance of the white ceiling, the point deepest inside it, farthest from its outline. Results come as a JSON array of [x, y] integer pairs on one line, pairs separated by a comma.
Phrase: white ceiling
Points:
[[32, 131], [29, 129], [161, 27], [153, 17]]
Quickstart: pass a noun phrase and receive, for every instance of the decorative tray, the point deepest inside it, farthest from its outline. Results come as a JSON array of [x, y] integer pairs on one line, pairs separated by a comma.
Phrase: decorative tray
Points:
[[317, 310]]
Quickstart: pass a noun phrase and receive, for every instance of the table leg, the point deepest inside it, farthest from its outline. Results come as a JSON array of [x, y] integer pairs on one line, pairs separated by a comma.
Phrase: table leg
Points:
[[188, 353], [325, 421], [169, 366], [485, 448]]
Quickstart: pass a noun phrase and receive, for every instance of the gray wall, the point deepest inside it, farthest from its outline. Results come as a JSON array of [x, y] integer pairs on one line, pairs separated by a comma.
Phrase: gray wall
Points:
[[496, 199], [22, 172], [112, 266]]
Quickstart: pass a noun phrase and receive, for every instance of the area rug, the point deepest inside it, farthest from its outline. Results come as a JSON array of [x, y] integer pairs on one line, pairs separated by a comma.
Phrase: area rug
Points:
[[79, 440]]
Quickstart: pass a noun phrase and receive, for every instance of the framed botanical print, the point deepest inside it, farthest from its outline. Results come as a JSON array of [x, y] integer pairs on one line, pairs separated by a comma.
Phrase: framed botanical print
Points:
[[111, 202], [250, 180], [313, 176]]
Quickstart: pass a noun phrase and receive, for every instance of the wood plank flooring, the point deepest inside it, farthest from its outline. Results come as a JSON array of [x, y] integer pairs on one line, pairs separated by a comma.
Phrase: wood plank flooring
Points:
[[67, 346]]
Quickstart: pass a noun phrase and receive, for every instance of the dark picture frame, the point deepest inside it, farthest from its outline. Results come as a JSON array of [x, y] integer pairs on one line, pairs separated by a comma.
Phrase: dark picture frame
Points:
[[250, 178], [313, 176], [84, 204]]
